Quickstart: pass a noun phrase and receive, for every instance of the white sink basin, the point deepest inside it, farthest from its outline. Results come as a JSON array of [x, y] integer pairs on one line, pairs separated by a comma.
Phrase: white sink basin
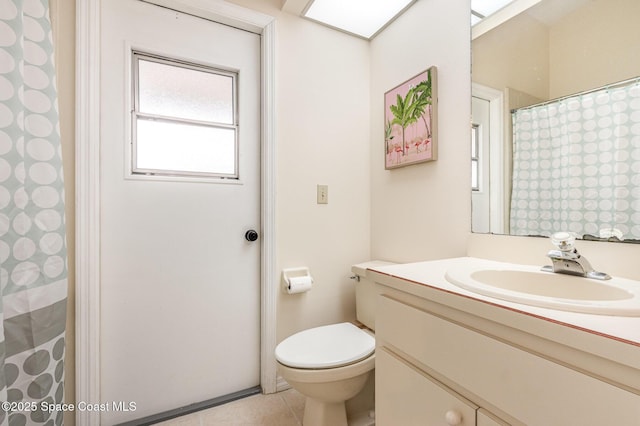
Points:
[[531, 286]]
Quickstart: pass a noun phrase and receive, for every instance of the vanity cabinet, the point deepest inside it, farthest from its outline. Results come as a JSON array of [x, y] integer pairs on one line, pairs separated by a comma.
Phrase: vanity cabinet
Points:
[[428, 365], [484, 418], [410, 397]]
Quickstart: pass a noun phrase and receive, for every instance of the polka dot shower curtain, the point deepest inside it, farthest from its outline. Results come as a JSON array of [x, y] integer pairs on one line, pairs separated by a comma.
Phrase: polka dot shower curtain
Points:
[[576, 165], [33, 271]]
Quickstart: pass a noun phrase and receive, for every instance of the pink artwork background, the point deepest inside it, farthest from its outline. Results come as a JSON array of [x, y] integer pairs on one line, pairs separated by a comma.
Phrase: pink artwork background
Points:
[[418, 146]]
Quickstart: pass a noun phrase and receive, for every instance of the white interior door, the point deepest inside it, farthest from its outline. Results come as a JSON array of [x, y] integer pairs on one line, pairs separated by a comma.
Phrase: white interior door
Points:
[[180, 291]]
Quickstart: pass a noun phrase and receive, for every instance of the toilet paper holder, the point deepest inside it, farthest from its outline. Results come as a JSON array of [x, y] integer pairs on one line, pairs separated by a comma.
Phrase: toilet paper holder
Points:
[[289, 273]]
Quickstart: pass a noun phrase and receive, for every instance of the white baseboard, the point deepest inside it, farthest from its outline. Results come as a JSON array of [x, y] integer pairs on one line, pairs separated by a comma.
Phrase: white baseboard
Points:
[[281, 384]]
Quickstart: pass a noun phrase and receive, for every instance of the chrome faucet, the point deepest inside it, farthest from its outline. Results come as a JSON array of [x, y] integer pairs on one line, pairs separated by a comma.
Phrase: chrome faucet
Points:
[[567, 260]]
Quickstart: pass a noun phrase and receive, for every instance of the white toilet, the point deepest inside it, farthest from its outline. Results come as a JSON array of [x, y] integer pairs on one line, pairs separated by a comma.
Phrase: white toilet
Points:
[[331, 364]]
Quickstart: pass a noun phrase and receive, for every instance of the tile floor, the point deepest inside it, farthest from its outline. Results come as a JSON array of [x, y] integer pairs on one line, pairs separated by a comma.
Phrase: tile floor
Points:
[[280, 409]]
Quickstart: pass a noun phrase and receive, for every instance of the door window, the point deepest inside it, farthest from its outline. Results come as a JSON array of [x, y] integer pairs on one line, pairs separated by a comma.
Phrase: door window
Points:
[[184, 119]]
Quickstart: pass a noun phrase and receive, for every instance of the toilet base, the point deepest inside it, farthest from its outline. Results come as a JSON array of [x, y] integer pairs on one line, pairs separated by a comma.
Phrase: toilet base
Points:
[[318, 413], [327, 390]]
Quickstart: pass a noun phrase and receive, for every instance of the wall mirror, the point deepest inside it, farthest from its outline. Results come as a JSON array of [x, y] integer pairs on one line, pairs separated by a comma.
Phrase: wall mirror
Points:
[[555, 138]]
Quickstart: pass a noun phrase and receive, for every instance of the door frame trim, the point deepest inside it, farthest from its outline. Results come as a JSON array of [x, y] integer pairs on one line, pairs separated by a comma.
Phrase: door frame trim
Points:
[[497, 191], [87, 288]]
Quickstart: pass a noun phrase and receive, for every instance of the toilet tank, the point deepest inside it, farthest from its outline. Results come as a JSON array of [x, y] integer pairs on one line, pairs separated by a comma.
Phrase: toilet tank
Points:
[[366, 292]]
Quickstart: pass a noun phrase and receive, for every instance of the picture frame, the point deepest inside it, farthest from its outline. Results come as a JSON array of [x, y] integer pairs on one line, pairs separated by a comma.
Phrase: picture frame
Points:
[[410, 121]]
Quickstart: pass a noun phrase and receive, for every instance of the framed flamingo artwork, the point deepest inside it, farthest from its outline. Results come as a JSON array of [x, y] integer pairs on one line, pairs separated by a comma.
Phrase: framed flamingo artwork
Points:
[[410, 121]]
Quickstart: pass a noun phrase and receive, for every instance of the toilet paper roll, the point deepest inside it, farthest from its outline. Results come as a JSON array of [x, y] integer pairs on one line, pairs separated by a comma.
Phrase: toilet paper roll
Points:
[[299, 284]]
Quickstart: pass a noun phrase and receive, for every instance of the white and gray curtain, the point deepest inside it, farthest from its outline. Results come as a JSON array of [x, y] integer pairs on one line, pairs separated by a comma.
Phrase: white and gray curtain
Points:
[[576, 165], [33, 264]]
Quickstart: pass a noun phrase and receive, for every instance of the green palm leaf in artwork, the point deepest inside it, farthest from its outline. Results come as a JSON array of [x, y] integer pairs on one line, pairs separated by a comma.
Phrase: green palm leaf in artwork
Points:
[[388, 128], [404, 113], [422, 99]]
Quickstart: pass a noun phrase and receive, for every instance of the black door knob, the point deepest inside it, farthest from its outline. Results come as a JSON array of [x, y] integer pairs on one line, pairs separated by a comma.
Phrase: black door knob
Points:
[[251, 235]]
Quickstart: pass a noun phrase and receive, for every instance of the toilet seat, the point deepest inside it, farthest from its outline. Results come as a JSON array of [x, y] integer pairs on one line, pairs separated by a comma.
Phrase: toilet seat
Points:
[[328, 346]]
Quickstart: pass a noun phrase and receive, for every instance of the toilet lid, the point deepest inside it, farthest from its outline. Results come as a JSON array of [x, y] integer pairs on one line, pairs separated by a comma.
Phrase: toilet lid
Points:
[[326, 347]]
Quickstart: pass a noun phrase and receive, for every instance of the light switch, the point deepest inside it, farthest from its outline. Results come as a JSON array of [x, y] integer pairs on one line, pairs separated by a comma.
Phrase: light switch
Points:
[[323, 194]]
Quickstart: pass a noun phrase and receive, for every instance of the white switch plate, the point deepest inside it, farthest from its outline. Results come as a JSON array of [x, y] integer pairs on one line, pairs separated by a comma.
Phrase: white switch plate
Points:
[[323, 194]]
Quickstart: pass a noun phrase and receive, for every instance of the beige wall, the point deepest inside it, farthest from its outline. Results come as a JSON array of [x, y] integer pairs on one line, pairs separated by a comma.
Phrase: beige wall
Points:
[[594, 46], [322, 133], [63, 24], [323, 138], [423, 211], [522, 41]]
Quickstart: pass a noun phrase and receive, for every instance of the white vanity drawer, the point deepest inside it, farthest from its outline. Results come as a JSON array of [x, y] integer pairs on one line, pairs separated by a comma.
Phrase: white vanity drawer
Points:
[[529, 388], [406, 396]]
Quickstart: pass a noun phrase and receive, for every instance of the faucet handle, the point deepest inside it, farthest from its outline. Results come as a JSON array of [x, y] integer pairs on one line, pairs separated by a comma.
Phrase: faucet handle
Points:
[[563, 240]]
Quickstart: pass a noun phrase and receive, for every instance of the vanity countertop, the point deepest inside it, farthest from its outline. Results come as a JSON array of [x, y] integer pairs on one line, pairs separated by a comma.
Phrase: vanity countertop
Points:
[[614, 338]]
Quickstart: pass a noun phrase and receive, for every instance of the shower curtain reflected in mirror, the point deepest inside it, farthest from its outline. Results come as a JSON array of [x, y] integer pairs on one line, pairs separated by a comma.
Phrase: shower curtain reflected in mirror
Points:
[[576, 165], [33, 264]]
